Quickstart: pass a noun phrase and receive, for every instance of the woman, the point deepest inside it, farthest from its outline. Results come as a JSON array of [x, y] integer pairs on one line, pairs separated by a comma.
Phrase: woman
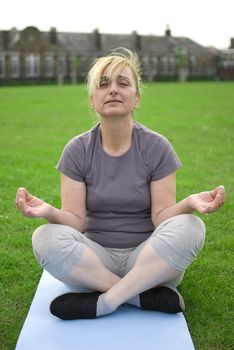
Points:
[[120, 237]]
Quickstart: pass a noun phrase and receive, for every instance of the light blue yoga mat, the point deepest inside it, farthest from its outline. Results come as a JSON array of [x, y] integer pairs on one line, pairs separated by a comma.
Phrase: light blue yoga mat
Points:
[[126, 329]]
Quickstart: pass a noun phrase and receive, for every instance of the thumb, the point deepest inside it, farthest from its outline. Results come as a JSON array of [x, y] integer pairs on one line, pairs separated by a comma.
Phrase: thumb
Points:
[[219, 189], [23, 193]]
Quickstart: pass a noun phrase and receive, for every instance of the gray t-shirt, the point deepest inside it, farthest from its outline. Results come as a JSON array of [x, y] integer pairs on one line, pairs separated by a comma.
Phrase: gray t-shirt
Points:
[[118, 187]]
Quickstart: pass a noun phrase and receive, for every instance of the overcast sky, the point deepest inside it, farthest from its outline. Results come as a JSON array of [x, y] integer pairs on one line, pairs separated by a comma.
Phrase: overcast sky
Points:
[[208, 22]]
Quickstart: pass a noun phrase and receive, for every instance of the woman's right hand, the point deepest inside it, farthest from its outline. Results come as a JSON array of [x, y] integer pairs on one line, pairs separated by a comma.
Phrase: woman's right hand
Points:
[[31, 206]]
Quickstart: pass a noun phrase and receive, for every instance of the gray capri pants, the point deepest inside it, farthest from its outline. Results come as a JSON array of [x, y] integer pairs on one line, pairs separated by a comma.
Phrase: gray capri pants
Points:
[[178, 241]]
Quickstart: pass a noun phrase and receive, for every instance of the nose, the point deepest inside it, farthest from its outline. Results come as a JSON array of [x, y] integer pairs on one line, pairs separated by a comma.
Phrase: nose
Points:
[[113, 89]]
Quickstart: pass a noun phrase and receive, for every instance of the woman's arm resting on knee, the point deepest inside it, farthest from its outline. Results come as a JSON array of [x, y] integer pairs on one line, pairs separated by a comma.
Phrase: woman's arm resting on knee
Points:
[[163, 200], [73, 209]]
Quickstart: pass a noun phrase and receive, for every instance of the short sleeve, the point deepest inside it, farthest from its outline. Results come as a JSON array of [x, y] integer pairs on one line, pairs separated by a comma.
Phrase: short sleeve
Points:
[[162, 159], [72, 161]]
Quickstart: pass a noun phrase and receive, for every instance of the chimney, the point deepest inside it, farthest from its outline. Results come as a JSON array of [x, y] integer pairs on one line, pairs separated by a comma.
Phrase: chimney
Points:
[[168, 31], [53, 36], [232, 44], [136, 40], [97, 39]]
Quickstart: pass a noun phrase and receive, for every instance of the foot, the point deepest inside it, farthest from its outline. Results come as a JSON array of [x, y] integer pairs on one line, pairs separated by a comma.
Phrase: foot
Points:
[[162, 299], [73, 306]]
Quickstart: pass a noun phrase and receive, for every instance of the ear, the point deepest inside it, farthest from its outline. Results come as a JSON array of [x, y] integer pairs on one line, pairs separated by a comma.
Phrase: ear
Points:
[[91, 101], [137, 102]]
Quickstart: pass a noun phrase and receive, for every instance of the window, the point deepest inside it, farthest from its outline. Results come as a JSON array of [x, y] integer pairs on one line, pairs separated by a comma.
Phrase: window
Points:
[[49, 66], [145, 61], [72, 65], [164, 65], [193, 60], [171, 65], [14, 62], [154, 61], [146, 66], [2, 66], [32, 65], [62, 65]]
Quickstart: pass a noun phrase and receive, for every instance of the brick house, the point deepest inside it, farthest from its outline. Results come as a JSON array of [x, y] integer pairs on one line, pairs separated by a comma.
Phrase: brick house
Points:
[[33, 56], [226, 63]]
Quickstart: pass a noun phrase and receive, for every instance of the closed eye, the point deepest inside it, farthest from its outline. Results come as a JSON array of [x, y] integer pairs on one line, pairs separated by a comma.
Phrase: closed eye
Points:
[[104, 84], [123, 81], [104, 81]]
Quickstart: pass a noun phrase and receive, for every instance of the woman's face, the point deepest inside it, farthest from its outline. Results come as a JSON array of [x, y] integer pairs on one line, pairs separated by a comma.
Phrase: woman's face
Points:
[[117, 96]]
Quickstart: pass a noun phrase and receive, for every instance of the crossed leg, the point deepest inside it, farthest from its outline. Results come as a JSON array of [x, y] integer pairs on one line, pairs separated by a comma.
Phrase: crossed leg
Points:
[[162, 258]]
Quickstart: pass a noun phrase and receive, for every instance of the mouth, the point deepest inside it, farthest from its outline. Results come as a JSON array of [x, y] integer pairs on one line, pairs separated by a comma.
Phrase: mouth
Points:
[[113, 101]]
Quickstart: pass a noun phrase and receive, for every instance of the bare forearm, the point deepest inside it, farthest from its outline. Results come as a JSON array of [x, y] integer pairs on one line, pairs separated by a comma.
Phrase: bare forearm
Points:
[[59, 216], [182, 207]]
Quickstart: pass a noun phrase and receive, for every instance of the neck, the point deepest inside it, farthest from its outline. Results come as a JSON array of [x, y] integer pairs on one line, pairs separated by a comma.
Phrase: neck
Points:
[[116, 135]]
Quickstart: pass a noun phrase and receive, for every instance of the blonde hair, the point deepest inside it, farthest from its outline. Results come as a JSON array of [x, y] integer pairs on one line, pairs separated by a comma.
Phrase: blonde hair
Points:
[[116, 61]]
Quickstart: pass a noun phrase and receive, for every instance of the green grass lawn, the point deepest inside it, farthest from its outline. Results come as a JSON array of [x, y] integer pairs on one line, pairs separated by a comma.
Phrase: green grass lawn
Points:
[[198, 119]]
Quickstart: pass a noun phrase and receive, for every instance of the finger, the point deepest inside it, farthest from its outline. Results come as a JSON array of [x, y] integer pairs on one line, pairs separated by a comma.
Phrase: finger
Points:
[[215, 205], [25, 209], [220, 197], [221, 190], [28, 195], [21, 205], [19, 196], [21, 193], [203, 209], [216, 202], [209, 208], [214, 192]]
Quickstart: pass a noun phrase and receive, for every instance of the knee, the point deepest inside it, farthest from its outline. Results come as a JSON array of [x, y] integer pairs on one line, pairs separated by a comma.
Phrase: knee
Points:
[[184, 228], [42, 238], [50, 239], [180, 239], [193, 231]]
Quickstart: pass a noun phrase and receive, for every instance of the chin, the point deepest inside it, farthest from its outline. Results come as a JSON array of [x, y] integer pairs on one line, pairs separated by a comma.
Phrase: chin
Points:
[[115, 116]]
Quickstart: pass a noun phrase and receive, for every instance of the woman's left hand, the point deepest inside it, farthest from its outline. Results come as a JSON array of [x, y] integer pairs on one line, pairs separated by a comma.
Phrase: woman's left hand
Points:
[[209, 201]]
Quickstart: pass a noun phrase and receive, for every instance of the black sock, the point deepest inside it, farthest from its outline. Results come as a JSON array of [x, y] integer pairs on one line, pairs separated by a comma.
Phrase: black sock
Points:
[[162, 299], [73, 306]]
